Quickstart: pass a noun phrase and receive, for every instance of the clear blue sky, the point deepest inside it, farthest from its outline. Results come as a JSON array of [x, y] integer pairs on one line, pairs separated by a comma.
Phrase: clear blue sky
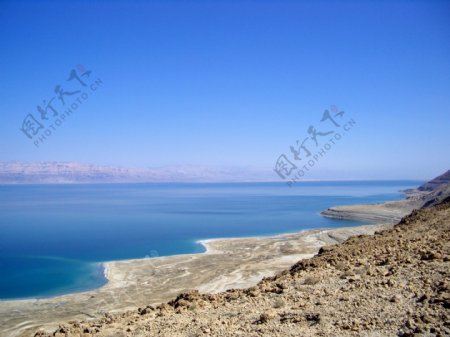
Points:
[[232, 83]]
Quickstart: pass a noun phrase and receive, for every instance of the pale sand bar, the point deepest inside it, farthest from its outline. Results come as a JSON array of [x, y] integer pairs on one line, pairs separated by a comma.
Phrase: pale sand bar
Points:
[[388, 212]]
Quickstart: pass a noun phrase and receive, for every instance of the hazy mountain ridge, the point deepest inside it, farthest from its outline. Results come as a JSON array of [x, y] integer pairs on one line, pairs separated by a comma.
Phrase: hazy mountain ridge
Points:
[[72, 172]]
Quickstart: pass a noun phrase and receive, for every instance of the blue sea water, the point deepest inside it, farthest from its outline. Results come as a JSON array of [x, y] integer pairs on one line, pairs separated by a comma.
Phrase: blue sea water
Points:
[[52, 237]]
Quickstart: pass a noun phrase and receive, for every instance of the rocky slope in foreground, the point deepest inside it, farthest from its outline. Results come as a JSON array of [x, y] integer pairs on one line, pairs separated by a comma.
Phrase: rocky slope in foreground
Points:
[[393, 283]]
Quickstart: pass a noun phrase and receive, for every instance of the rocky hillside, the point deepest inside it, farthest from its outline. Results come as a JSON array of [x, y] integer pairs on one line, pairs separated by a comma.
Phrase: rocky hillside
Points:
[[435, 193], [437, 196], [443, 179], [394, 283]]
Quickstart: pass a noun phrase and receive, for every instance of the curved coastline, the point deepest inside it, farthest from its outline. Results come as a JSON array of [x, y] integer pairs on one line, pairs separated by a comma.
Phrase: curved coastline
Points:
[[69, 281], [226, 263]]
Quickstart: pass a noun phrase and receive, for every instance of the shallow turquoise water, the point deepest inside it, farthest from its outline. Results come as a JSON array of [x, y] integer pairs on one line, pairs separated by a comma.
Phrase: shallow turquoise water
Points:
[[52, 237]]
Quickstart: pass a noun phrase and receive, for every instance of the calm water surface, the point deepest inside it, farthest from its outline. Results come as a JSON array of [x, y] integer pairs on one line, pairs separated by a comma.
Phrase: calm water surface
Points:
[[52, 237]]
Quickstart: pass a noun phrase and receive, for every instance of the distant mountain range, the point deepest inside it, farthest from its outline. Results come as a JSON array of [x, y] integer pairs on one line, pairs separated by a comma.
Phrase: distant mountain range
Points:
[[69, 172]]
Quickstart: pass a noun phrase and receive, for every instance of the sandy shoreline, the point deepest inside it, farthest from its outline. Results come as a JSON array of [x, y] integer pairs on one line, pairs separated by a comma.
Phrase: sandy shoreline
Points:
[[226, 263], [209, 244], [388, 212], [394, 283]]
